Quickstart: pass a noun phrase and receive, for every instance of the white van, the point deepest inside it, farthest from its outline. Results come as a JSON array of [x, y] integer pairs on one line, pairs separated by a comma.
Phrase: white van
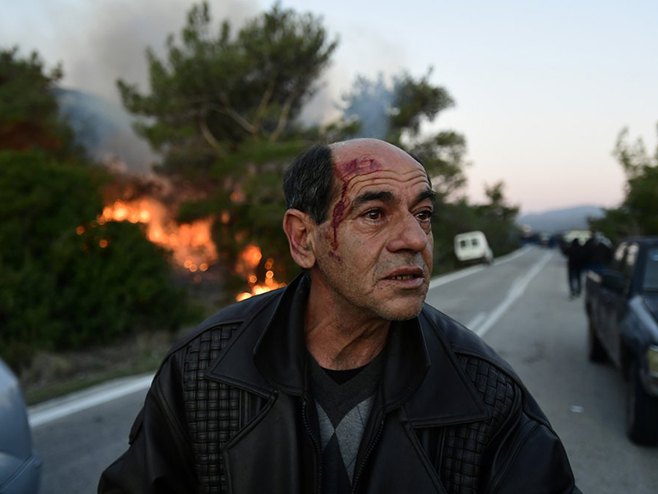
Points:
[[473, 247]]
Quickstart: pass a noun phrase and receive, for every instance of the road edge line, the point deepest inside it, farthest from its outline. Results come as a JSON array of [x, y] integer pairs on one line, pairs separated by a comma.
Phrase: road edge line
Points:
[[456, 275], [518, 288], [46, 412]]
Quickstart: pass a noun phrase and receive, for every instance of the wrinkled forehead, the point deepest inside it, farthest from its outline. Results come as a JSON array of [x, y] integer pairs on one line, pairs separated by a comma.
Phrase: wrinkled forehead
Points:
[[364, 160], [352, 159]]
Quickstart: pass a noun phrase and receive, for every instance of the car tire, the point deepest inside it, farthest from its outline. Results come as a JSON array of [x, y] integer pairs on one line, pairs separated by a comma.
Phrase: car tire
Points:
[[596, 351], [641, 411]]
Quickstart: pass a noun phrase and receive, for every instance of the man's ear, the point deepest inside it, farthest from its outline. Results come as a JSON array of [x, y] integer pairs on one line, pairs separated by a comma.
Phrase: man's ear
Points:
[[298, 227]]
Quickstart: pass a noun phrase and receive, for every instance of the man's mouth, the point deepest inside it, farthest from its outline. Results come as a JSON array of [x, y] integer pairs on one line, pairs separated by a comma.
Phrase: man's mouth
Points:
[[401, 277], [406, 274]]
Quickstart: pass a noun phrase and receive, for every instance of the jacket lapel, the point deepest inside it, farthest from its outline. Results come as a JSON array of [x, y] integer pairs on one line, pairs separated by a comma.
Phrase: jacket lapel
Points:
[[446, 396], [271, 455], [233, 365], [398, 463]]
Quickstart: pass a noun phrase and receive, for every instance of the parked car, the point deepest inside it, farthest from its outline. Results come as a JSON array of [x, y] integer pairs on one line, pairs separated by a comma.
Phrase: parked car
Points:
[[473, 247], [20, 466], [621, 301]]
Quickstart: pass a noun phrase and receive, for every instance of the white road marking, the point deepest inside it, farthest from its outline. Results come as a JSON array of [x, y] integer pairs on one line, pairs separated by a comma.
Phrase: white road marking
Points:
[[450, 277], [455, 275], [476, 321], [76, 402], [513, 255], [518, 288]]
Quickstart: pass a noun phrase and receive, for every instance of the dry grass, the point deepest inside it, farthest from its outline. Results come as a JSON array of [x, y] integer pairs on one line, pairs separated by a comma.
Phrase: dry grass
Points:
[[56, 374]]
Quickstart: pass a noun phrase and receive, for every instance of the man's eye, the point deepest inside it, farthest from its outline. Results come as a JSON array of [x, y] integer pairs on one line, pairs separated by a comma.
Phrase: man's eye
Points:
[[373, 214], [425, 215]]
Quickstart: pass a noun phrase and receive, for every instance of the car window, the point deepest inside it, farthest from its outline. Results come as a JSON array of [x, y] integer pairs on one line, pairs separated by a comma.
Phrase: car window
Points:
[[629, 261], [617, 262], [651, 272]]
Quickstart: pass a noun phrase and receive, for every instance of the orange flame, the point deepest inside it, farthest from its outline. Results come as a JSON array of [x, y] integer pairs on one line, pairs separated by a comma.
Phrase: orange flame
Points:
[[246, 266], [191, 243]]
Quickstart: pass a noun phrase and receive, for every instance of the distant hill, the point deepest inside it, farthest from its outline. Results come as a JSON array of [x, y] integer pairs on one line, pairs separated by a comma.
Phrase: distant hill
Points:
[[557, 220], [105, 130]]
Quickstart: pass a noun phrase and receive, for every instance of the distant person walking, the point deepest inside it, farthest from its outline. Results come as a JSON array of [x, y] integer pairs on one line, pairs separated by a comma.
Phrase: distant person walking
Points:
[[575, 260], [597, 252]]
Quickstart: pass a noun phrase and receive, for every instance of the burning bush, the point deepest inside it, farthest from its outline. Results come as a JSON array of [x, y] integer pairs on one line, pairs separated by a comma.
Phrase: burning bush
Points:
[[64, 283], [217, 242]]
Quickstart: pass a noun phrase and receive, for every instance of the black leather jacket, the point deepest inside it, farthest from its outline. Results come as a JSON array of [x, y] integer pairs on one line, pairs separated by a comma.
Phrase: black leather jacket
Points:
[[229, 411]]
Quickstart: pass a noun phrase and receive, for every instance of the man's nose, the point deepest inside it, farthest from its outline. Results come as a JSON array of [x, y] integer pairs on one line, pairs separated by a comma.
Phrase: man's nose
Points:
[[409, 235]]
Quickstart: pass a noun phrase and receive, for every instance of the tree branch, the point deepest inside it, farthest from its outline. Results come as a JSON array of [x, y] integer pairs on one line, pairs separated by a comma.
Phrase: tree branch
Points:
[[209, 137], [239, 119], [265, 100], [283, 119]]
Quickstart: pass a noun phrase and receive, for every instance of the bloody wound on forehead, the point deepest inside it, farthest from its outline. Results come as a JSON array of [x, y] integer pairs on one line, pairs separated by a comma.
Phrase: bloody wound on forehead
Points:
[[345, 172]]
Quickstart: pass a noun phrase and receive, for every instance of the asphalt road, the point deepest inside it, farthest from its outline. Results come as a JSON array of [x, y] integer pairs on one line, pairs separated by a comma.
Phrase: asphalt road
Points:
[[520, 307]]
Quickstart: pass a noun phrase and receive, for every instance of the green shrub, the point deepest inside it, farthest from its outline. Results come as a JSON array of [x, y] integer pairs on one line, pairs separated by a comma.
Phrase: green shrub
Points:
[[65, 281]]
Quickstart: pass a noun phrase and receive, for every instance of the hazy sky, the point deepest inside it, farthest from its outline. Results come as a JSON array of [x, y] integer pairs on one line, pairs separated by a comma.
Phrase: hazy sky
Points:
[[542, 88]]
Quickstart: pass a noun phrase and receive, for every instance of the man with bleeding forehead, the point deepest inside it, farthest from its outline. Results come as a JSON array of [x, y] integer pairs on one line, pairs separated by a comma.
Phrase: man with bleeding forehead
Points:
[[345, 380]]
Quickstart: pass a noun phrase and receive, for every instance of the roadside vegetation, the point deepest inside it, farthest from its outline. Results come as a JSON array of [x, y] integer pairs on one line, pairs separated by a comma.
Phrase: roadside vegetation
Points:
[[67, 282], [638, 212], [81, 299]]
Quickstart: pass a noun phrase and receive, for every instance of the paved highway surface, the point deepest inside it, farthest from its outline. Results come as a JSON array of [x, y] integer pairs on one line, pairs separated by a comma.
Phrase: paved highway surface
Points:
[[519, 305]]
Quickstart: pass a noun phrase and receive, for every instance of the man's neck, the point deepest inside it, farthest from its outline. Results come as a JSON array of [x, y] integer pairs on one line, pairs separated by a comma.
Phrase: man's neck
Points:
[[342, 339]]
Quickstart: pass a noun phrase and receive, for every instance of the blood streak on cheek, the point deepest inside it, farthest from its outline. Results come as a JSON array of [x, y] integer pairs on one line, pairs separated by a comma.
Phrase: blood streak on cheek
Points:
[[337, 218], [345, 173]]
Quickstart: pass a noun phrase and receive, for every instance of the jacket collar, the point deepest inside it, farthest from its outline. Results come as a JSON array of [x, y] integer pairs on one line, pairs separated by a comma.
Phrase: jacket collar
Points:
[[272, 335], [447, 395], [421, 372]]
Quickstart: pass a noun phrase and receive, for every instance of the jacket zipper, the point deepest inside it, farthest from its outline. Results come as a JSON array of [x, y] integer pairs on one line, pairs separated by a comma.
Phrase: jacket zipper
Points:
[[318, 452], [366, 456]]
